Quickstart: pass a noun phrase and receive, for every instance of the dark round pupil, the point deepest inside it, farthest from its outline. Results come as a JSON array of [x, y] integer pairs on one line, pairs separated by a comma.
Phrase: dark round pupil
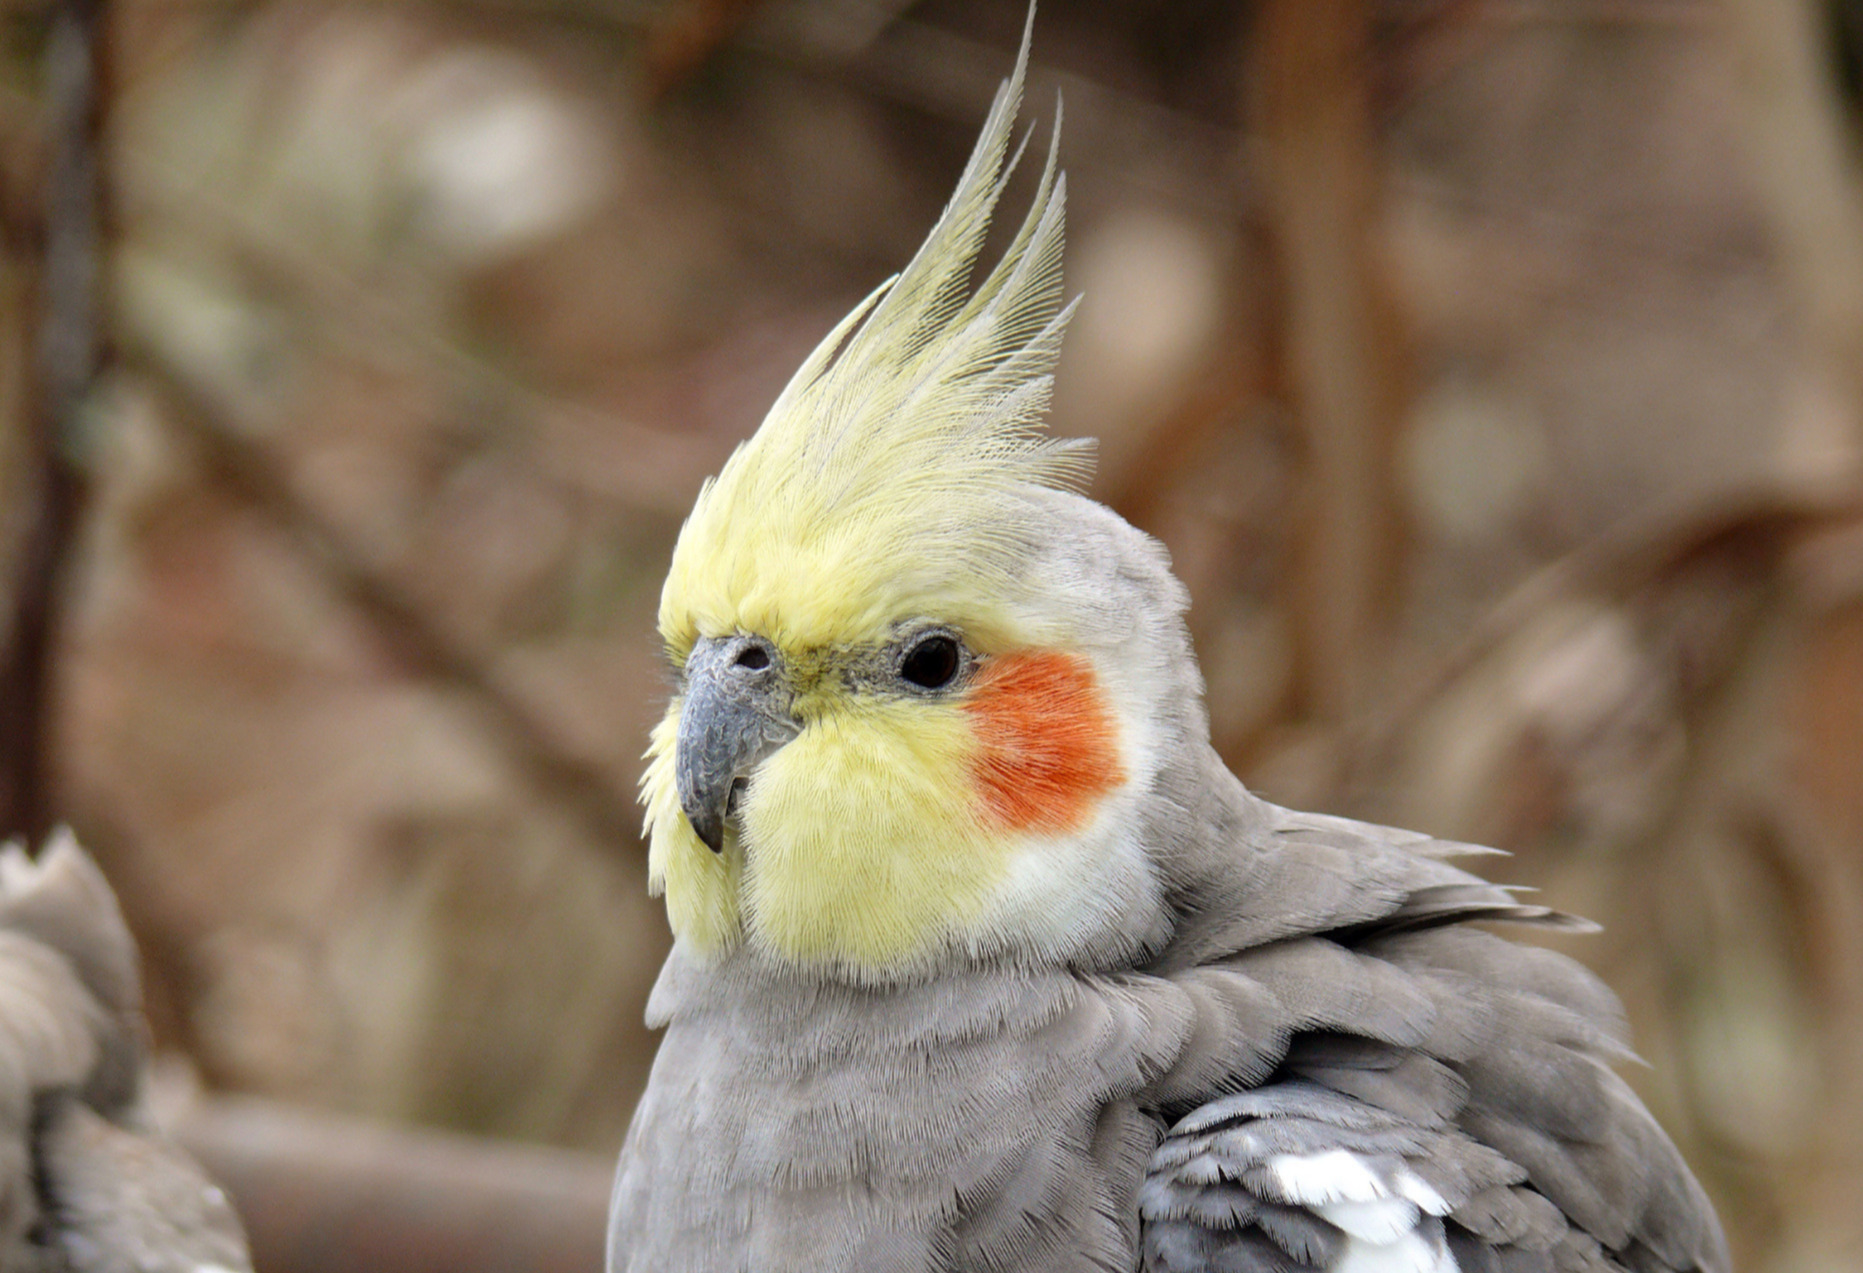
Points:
[[754, 657], [931, 663]]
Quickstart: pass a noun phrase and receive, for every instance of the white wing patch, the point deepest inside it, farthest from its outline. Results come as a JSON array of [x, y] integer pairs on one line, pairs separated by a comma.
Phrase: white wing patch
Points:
[[1380, 1219], [1419, 1192], [1335, 1176], [1385, 1220], [1296, 1175], [1413, 1253]]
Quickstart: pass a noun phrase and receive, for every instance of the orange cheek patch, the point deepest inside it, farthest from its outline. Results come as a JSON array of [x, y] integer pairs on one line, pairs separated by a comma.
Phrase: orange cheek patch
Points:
[[1047, 740]]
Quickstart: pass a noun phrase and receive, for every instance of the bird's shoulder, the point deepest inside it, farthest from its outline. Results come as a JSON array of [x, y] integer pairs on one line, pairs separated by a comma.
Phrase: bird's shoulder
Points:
[[1374, 1085]]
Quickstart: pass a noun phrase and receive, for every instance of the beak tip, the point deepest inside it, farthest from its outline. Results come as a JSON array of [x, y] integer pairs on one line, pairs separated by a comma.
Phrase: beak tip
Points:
[[710, 831]]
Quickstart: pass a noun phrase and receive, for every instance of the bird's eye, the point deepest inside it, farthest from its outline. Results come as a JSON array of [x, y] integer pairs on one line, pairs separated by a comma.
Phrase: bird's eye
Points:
[[932, 662], [753, 657]]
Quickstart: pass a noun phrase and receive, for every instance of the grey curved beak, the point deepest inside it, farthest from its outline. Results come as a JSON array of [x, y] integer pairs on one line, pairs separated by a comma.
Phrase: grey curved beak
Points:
[[735, 713]]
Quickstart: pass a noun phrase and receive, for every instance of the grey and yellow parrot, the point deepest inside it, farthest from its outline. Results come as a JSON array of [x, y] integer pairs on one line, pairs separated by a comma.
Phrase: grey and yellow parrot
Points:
[[983, 960], [86, 1184]]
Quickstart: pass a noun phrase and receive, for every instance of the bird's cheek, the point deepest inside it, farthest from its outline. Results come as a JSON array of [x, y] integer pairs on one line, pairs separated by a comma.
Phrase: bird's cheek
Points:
[[1047, 741], [861, 842], [857, 778]]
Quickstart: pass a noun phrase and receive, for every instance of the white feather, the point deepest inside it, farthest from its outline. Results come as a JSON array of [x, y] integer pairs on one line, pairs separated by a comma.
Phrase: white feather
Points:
[[1418, 1191], [1411, 1253], [1384, 1220], [1335, 1176]]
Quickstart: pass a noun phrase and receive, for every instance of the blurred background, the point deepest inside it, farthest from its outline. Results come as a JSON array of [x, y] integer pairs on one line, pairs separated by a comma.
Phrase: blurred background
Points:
[[1493, 370]]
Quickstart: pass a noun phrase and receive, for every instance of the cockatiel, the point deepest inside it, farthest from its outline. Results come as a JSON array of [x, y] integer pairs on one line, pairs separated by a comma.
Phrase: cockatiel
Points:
[[85, 1185], [983, 960]]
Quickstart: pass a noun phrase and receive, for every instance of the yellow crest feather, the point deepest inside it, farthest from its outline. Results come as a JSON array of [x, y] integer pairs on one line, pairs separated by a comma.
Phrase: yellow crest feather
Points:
[[890, 477]]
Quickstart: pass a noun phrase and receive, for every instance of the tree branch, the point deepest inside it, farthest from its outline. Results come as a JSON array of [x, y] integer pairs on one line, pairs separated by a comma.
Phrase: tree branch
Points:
[[67, 358]]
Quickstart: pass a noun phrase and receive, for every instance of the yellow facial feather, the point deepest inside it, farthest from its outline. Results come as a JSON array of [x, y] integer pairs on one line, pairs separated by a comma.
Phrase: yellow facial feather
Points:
[[701, 887], [870, 843], [868, 840], [891, 481]]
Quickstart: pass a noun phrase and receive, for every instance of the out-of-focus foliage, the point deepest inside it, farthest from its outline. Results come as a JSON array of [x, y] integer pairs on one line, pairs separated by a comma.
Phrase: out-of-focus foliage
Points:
[[1494, 383]]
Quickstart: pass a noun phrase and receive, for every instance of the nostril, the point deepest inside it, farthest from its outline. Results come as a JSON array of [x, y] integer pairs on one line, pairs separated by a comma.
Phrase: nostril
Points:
[[754, 657]]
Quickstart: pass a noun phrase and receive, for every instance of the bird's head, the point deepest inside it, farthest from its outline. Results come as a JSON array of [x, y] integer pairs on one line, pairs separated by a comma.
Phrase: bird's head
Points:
[[923, 687]]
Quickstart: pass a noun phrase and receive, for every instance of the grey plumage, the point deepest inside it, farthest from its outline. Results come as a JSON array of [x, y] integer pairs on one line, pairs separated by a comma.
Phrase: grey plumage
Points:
[[1176, 1029], [1008, 1116], [86, 1185], [1021, 1119]]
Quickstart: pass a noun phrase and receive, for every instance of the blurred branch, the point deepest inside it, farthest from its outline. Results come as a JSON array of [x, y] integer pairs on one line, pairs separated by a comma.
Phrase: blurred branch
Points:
[[1612, 243], [1805, 180], [1345, 362], [1420, 47], [1819, 817], [1633, 13], [1124, 136], [684, 35], [1239, 372], [1225, 385], [927, 68], [240, 464], [627, 15], [69, 351], [20, 208], [365, 323], [322, 1192], [1619, 565]]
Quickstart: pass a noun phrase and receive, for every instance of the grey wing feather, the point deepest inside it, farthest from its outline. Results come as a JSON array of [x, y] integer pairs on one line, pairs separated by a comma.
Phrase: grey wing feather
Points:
[[85, 1186], [1397, 1178], [126, 1202], [1364, 1067], [62, 905]]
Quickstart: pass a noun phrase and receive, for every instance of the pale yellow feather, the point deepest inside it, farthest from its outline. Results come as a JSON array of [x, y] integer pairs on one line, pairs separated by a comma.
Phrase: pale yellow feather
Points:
[[911, 865], [886, 480]]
